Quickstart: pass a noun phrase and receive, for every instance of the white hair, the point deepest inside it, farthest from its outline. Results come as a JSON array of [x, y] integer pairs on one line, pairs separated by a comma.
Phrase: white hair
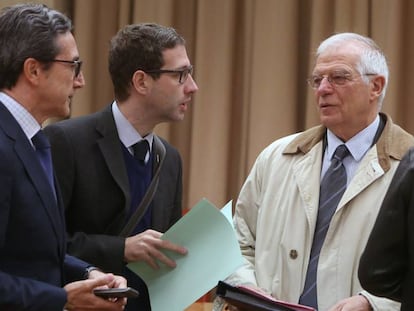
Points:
[[372, 59]]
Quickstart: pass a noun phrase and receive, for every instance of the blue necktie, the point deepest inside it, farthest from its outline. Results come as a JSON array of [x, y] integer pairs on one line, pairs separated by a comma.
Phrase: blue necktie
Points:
[[333, 186], [43, 153]]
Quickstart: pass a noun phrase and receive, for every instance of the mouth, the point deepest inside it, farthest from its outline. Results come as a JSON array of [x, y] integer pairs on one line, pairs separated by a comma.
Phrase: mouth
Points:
[[185, 102], [325, 105], [183, 106]]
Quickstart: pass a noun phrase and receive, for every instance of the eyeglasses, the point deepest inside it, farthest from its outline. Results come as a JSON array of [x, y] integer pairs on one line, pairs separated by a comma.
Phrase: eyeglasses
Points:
[[183, 72], [335, 79], [77, 64]]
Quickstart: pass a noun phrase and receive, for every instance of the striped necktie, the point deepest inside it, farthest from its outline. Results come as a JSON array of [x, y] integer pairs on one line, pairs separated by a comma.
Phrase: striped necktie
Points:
[[333, 186]]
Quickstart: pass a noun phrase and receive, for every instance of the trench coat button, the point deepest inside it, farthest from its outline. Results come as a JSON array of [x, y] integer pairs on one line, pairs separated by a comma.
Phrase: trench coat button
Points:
[[293, 254]]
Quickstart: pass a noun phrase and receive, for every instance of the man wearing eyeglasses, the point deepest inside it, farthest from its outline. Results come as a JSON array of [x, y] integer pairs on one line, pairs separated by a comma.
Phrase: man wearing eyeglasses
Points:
[[305, 212], [95, 157], [39, 74]]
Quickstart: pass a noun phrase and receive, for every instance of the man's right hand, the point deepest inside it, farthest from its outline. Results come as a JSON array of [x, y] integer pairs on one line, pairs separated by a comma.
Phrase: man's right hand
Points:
[[80, 296], [147, 246]]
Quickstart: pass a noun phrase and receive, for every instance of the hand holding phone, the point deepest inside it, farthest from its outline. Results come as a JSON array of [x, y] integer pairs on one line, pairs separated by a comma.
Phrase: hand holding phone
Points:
[[127, 292]]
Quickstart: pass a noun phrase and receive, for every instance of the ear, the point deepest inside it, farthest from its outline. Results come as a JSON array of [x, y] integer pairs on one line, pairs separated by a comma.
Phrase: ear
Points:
[[31, 70], [141, 82], [377, 86]]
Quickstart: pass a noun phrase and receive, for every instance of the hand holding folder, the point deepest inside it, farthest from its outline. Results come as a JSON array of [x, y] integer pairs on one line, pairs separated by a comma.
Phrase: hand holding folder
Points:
[[248, 299]]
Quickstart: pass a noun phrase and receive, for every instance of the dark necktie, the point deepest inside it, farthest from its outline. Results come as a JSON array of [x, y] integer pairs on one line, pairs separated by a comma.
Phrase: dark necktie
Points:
[[43, 153], [333, 186], [141, 149]]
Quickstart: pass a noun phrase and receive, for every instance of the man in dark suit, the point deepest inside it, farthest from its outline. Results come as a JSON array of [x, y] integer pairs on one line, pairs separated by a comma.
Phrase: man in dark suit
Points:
[[39, 73], [102, 183], [386, 268]]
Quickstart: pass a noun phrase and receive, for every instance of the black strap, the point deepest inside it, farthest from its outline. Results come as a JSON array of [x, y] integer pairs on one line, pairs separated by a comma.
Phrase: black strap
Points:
[[159, 153]]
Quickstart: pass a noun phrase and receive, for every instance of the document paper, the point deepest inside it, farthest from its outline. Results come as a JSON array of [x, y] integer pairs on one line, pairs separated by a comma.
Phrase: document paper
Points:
[[213, 254]]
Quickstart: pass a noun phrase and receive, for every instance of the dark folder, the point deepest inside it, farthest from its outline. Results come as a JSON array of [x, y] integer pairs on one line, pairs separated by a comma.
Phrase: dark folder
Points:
[[247, 299]]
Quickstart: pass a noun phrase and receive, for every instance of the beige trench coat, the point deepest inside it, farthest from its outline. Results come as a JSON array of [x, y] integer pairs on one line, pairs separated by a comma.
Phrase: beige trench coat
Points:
[[277, 209]]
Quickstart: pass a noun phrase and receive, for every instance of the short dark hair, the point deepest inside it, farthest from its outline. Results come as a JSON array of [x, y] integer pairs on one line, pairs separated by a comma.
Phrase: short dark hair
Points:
[[138, 47], [28, 31]]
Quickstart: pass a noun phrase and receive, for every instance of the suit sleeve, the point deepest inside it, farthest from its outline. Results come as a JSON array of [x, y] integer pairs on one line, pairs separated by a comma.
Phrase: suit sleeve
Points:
[[18, 293], [384, 261], [74, 268]]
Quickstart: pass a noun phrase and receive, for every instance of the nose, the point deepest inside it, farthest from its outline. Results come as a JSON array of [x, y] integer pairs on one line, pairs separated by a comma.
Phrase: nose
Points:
[[79, 81], [325, 86], [191, 86]]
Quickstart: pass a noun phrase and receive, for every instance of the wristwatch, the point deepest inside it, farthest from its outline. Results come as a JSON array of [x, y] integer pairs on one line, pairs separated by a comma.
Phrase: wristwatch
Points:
[[89, 270]]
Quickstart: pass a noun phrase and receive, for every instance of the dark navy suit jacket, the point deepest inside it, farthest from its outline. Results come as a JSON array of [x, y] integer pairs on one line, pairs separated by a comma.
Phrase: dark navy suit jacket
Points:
[[33, 261]]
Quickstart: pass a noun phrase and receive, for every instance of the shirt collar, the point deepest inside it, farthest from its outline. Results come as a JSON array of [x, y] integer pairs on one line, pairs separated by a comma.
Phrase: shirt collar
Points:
[[23, 117], [357, 145], [126, 132]]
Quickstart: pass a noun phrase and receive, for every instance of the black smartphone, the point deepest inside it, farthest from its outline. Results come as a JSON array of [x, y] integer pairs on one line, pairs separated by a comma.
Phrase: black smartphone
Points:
[[127, 292]]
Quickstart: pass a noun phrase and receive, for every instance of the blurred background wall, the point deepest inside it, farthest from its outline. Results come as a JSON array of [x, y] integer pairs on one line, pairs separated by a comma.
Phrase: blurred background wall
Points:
[[251, 59]]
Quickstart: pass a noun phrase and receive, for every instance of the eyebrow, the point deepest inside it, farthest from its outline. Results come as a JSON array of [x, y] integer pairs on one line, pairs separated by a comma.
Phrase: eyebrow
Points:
[[336, 70], [182, 67]]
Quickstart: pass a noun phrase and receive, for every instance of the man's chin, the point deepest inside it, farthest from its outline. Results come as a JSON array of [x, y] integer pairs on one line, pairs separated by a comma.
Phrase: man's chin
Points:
[[68, 108], [63, 113], [328, 120], [179, 117]]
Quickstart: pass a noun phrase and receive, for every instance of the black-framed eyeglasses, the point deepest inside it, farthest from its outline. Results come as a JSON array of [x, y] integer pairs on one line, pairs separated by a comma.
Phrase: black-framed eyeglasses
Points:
[[335, 79], [183, 72], [77, 64]]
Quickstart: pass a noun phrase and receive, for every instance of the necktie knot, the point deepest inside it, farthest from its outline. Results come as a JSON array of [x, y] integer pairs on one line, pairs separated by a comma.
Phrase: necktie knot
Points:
[[341, 152], [333, 186], [141, 149]]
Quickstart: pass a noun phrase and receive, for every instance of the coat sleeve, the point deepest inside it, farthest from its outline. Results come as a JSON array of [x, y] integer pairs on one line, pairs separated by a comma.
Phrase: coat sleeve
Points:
[[383, 263], [19, 293], [74, 269], [245, 223]]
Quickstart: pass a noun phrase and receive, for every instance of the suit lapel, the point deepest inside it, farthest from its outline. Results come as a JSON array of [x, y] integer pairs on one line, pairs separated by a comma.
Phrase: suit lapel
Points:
[[159, 152], [111, 150], [35, 171], [27, 156]]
